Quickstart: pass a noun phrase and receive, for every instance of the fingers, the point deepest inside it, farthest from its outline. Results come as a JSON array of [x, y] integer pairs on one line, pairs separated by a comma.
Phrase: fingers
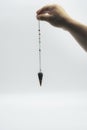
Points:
[[43, 10], [45, 13], [46, 9]]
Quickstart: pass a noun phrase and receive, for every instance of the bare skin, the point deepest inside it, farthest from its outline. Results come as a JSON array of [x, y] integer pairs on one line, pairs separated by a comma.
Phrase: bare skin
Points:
[[58, 17]]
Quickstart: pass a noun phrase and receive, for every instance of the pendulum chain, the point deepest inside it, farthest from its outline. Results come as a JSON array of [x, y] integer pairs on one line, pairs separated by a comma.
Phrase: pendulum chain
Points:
[[39, 34]]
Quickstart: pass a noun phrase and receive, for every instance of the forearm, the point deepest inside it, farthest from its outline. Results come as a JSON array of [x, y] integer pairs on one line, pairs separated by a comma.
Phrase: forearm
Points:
[[78, 31]]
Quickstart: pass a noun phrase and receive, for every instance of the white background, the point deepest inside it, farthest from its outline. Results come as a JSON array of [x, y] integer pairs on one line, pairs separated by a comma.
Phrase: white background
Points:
[[61, 102]]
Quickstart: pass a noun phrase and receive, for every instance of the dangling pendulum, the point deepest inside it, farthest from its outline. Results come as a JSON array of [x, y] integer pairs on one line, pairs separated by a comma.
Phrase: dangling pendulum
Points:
[[40, 74]]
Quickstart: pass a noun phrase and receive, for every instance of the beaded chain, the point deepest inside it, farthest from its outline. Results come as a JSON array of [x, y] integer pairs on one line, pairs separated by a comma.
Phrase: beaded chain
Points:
[[39, 34]]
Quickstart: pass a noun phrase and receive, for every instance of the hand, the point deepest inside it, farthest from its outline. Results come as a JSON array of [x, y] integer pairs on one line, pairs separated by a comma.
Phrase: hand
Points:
[[54, 14], [57, 16]]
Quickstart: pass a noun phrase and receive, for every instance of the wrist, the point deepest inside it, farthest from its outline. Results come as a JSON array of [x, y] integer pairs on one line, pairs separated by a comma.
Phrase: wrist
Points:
[[67, 23]]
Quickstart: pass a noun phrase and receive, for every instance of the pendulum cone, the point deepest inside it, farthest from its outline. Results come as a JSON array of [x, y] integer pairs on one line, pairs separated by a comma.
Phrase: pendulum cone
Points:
[[40, 77]]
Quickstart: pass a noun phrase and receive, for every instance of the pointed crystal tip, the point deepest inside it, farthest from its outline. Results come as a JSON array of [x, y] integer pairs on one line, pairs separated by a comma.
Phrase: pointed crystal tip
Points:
[[40, 76]]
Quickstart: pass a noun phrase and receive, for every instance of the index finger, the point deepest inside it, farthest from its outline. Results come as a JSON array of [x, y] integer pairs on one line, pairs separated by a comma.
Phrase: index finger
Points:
[[45, 9]]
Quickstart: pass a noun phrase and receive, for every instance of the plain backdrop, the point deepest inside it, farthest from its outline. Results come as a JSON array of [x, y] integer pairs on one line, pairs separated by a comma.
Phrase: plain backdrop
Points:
[[61, 102]]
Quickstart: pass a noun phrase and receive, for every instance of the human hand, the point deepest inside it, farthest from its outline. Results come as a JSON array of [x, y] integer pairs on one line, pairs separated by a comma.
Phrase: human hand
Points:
[[54, 14]]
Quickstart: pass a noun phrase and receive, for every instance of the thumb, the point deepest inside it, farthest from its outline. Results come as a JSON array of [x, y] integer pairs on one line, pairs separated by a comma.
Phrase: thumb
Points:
[[44, 17]]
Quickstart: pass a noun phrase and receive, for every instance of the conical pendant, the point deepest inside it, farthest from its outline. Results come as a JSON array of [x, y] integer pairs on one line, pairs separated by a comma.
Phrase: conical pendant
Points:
[[40, 76]]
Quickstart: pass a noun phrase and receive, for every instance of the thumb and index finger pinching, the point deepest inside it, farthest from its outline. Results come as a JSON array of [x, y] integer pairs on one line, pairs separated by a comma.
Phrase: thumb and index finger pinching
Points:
[[44, 13]]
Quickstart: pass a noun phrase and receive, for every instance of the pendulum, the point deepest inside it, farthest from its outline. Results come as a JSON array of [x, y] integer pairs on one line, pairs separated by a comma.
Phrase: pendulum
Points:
[[40, 74]]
